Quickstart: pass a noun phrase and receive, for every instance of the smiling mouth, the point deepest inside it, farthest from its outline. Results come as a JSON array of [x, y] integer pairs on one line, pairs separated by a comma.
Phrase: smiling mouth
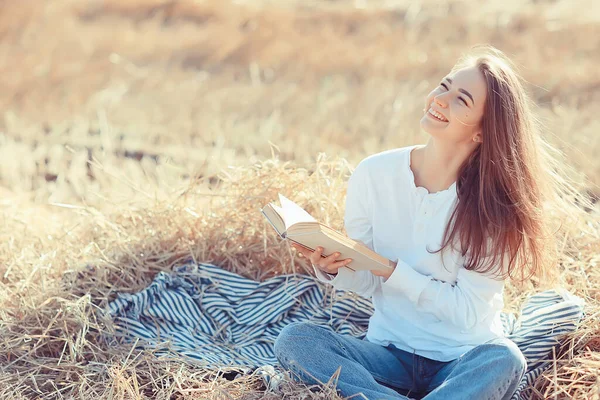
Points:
[[436, 115]]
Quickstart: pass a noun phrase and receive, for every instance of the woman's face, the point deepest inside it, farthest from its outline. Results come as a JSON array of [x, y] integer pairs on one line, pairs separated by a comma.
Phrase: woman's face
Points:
[[458, 100]]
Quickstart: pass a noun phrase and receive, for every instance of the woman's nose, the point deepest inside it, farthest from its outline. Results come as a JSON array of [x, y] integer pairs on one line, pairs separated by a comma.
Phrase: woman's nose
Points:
[[440, 101]]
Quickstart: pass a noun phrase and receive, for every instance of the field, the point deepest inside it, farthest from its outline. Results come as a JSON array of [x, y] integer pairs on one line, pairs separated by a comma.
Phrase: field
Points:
[[136, 133]]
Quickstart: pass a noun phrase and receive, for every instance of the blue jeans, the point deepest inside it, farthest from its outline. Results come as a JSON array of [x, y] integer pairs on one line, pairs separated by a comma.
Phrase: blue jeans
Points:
[[312, 354]]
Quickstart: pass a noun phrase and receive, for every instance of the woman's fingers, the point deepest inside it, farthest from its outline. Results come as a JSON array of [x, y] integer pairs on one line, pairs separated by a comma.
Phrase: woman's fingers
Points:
[[327, 264], [333, 267], [339, 264], [331, 258], [302, 251], [315, 257], [310, 255]]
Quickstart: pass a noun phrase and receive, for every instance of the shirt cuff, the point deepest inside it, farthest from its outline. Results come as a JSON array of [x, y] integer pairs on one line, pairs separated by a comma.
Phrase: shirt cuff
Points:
[[405, 279]]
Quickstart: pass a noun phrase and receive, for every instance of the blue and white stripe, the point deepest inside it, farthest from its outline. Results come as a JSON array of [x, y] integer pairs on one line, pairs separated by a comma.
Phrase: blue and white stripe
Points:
[[219, 318]]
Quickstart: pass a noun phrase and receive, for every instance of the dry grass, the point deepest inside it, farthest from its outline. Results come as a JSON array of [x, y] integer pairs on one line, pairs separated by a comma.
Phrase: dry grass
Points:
[[133, 129]]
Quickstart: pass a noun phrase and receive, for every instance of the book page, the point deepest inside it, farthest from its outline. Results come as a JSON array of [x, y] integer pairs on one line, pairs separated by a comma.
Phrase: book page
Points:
[[279, 210], [293, 213], [272, 213]]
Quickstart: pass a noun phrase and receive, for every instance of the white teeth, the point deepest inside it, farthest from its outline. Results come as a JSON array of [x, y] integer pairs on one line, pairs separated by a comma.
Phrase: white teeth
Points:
[[437, 115]]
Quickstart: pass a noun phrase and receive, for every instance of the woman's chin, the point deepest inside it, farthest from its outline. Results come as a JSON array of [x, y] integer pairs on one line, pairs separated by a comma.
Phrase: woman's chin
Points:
[[426, 125], [430, 126]]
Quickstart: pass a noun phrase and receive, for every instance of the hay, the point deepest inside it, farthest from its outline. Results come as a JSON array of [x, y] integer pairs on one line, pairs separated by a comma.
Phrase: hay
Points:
[[107, 181], [51, 338]]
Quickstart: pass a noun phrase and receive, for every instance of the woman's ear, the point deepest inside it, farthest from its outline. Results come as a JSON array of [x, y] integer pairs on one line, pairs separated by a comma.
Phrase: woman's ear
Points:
[[477, 137]]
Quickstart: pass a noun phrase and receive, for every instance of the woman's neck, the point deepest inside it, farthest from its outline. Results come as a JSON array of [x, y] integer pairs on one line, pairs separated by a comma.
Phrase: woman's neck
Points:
[[435, 165]]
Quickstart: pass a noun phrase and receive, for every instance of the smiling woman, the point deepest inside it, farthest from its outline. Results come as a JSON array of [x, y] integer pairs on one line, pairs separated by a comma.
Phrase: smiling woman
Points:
[[460, 215], [455, 107]]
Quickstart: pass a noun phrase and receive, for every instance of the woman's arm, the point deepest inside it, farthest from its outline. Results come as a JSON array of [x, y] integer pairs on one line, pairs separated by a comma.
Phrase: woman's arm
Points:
[[474, 297]]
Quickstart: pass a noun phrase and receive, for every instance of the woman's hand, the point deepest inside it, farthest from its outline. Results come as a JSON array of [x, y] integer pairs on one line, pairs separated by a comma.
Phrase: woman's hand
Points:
[[327, 264], [385, 274]]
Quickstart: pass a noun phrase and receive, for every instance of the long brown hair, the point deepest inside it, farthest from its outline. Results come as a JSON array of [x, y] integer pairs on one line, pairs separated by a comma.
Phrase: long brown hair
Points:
[[512, 185]]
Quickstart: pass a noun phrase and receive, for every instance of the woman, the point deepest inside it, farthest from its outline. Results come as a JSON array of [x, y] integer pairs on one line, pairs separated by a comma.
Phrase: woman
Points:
[[460, 215]]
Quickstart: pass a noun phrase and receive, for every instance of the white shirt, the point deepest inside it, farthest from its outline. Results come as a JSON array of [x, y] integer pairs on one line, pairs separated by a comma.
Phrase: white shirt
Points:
[[439, 313]]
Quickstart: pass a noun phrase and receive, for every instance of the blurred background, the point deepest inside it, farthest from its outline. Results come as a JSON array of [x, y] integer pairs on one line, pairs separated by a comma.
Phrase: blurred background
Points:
[[102, 98], [135, 134]]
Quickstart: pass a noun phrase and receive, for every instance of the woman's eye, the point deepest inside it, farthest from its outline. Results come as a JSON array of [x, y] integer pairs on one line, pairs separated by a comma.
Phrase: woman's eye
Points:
[[444, 85], [463, 100]]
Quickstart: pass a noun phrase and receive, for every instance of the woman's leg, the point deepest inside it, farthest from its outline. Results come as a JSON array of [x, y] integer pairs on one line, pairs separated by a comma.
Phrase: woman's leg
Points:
[[314, 353], [490, 371]]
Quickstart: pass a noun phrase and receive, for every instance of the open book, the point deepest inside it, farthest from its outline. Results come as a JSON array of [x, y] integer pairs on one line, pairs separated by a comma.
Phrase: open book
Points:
[[293, 223]]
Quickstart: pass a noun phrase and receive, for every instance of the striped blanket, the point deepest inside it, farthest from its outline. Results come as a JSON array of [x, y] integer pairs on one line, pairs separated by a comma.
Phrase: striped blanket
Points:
[[217, 318]]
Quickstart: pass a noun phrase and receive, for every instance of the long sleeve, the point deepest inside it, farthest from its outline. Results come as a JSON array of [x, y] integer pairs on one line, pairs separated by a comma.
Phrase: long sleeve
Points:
[[473, 298], [358, 225]]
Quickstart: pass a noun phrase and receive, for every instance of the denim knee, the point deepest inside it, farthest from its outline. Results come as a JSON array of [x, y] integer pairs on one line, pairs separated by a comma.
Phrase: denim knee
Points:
[[291, 352], [511, 357], [285, 338], [518, 360]]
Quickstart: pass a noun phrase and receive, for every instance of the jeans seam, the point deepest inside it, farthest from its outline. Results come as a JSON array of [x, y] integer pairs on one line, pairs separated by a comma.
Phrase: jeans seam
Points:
[[386, 381], [374, 375]]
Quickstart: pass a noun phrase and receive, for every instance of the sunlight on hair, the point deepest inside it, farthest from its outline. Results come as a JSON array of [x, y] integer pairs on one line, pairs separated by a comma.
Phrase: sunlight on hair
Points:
[[514, 172]]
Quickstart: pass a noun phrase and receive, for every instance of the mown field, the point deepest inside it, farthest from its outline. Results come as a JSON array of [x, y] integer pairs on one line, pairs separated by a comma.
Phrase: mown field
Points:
[[136, 133]]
